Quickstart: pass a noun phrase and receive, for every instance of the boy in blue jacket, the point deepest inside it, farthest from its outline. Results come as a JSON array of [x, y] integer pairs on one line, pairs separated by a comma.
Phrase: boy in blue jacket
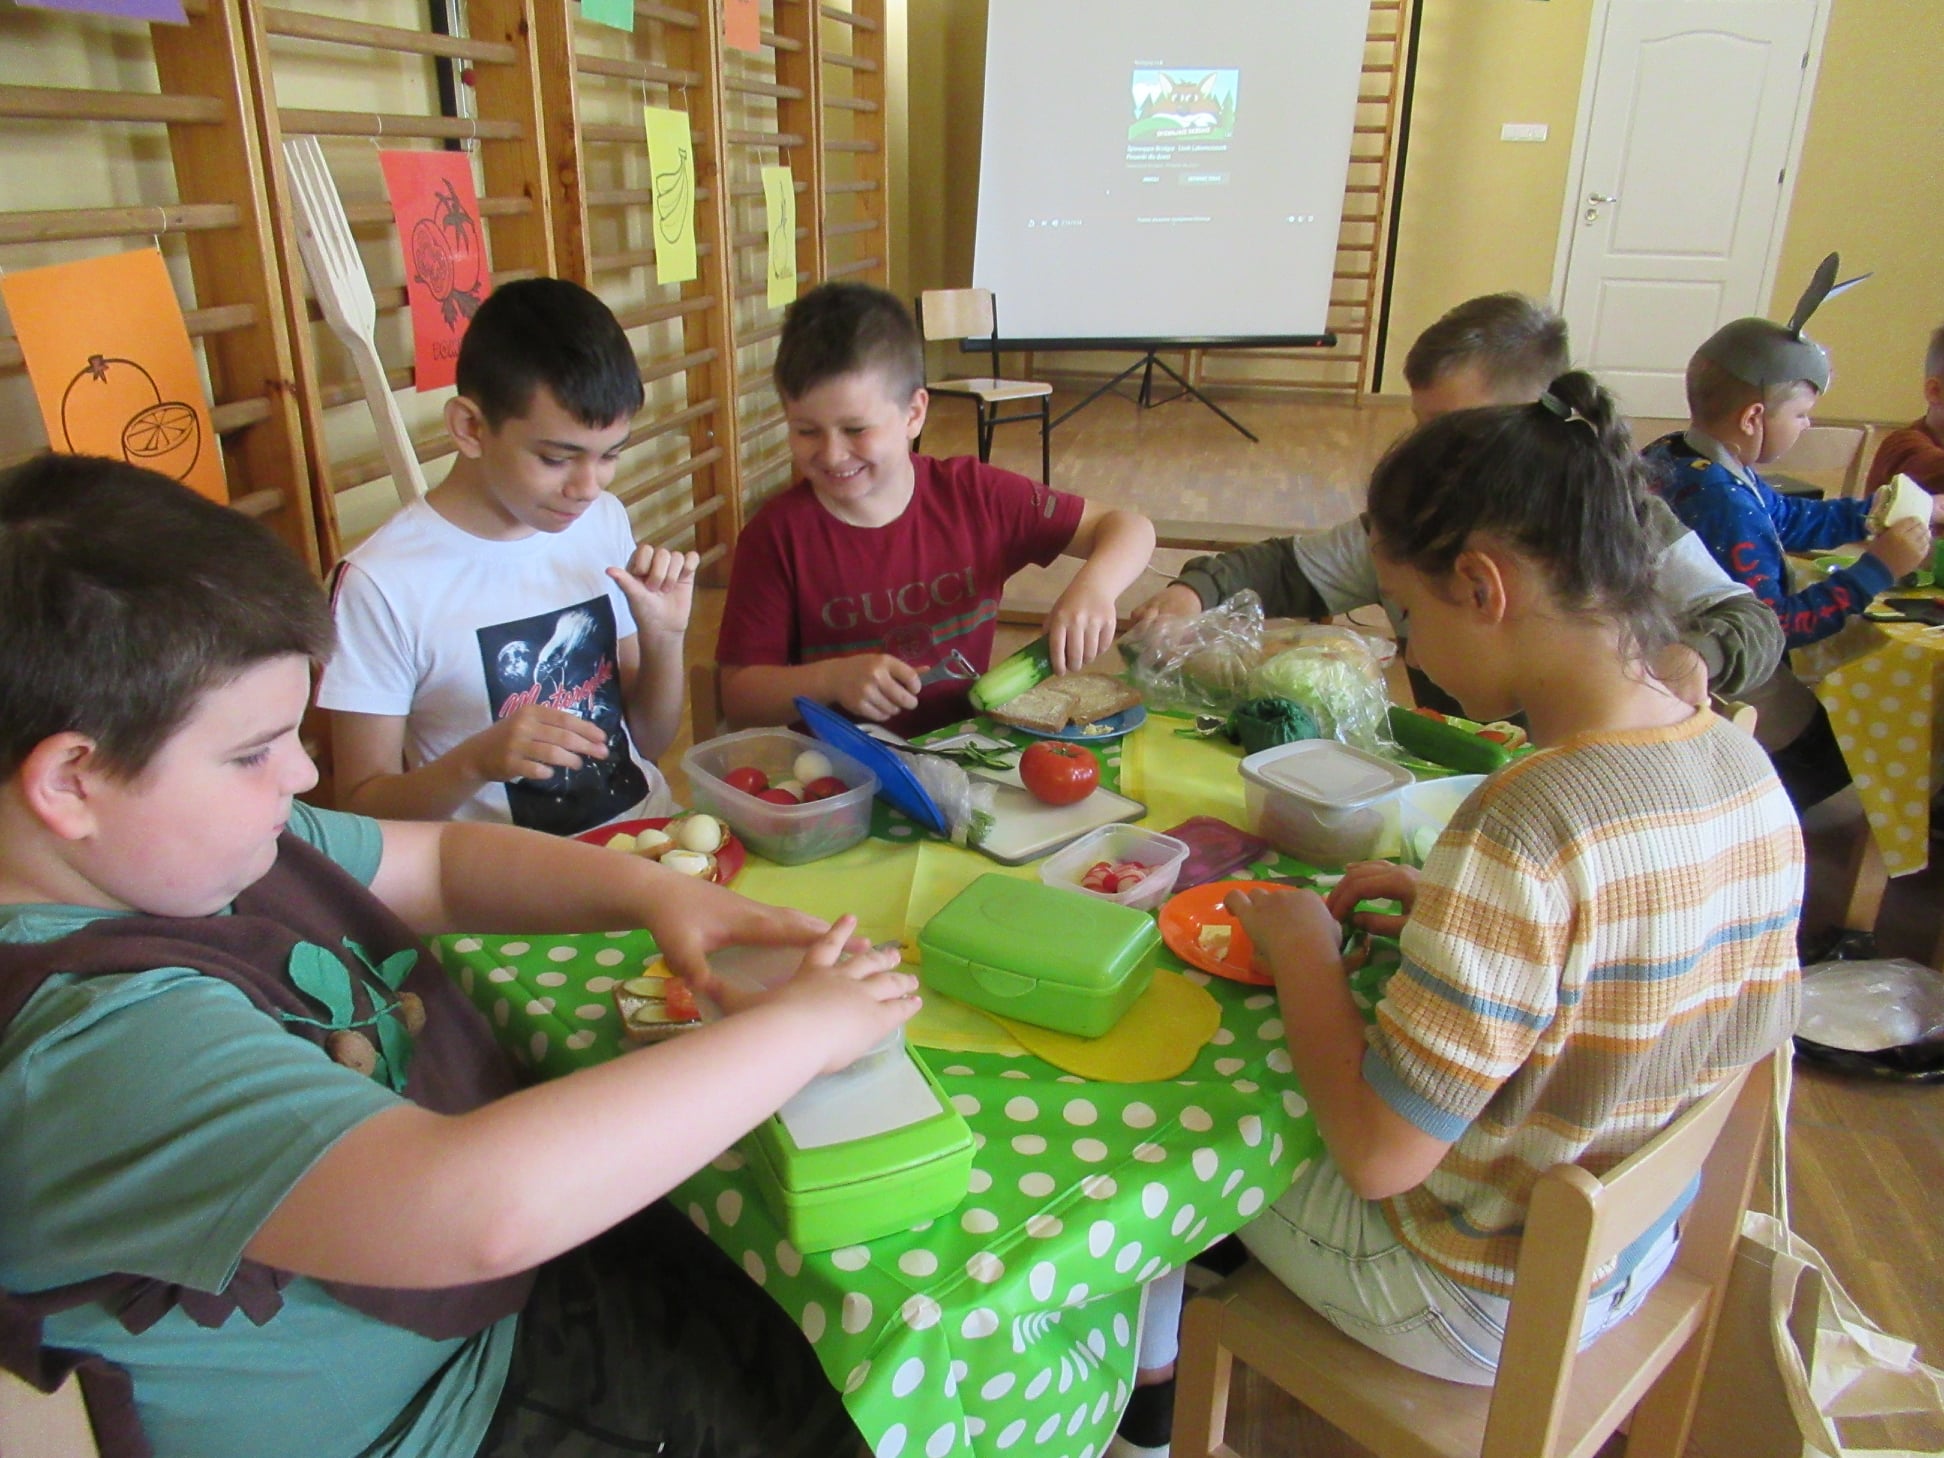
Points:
[[1751, 387]]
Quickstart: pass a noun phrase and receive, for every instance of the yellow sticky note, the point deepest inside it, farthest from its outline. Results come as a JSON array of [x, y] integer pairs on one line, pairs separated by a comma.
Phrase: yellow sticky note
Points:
[[112, 367], [671, 160], [779, 207]]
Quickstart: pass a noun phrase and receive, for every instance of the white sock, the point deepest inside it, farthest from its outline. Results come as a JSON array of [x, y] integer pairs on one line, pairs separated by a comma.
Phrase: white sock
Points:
[[1160, 1339]]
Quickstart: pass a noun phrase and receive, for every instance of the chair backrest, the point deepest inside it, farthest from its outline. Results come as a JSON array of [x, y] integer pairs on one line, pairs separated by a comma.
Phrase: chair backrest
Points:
[[1576, 1223], [961, 314], [1829, 456], [957, 313], [705, 701]]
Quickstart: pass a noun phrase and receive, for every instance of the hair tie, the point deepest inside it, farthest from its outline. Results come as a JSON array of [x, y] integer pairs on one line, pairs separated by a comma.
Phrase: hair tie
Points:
[[1571, 414]]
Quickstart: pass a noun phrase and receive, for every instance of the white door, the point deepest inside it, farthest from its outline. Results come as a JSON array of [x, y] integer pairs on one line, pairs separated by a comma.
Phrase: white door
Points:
[[1691, 116]]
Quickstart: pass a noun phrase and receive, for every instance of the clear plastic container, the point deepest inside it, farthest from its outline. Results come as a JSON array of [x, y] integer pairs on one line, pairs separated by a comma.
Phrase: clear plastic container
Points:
[[1423, 811], [1323, 802], [1162, 854], [786, 834]]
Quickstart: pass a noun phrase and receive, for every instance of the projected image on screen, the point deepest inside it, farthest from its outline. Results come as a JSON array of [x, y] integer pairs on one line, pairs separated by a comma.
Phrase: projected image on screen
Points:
[[1173, 115], [1135, 184]]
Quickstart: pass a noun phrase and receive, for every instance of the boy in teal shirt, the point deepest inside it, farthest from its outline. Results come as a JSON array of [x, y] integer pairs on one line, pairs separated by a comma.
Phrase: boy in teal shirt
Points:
[[262, 1170]]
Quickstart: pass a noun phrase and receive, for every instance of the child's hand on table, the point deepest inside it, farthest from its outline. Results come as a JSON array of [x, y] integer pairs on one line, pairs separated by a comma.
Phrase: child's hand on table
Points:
[[1079, 628], [854, 990], [1290, 929], [873, 686], [660, 587], [706, 918], [1374, 881]]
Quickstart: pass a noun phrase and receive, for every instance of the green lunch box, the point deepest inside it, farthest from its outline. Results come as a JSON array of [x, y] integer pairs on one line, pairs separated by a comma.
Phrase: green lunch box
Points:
[[1040, 954], [911, 1159]]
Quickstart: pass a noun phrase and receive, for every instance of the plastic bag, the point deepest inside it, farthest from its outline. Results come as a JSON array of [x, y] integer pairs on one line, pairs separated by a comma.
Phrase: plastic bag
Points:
[[965, 802], [1198, 664], [1338, 675], [1869, 1006], [1883, 1017]]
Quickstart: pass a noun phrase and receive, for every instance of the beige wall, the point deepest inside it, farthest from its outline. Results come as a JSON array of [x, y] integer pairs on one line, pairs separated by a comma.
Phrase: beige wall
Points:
[[1481, 214]]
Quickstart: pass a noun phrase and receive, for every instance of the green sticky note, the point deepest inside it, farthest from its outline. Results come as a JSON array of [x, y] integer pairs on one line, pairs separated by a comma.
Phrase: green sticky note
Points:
[[671, 158], [617, 13]]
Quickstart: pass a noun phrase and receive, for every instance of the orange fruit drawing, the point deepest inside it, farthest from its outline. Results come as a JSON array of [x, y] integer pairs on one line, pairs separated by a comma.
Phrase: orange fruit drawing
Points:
[[165, 437], [431, 258], [101, 400]]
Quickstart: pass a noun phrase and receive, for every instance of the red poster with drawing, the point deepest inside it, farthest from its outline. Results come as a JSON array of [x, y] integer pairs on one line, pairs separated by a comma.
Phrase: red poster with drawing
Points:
[[742, 24], [436, 207], [111, 365]]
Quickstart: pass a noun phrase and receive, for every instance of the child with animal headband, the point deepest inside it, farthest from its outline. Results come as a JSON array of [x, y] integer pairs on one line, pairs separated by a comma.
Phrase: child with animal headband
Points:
[[1603, 934]]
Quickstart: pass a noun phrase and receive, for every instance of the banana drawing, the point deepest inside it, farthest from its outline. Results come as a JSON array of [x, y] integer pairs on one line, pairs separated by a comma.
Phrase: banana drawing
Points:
[[672, 197]]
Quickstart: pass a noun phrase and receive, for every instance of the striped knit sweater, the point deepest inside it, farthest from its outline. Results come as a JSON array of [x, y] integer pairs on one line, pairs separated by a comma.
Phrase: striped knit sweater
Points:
[[1604, 932]]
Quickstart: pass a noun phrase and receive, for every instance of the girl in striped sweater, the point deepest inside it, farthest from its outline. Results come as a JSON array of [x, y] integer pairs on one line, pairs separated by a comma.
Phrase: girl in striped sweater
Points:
[[1604, 932]]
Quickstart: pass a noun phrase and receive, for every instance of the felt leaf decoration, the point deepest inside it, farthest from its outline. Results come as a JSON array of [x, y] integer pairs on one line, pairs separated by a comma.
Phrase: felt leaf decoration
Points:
[[397, 967], [396, 1046], [316, 971]]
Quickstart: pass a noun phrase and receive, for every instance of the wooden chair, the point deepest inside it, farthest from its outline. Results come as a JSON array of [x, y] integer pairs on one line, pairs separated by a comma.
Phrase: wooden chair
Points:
[[1826, 459], [38, 1424], [967, 314], [1558, 1402]]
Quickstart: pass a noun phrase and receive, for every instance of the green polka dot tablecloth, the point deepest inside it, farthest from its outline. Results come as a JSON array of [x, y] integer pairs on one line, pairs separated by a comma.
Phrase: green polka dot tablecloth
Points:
[[1006, 1326], [1883, 706]]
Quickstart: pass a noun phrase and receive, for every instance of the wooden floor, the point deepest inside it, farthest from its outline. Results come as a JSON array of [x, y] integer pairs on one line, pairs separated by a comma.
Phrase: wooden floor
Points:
[[1866, 1159]]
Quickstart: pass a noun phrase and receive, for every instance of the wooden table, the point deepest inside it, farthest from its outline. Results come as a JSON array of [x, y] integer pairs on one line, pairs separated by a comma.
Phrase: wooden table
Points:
[[1008, 1325]]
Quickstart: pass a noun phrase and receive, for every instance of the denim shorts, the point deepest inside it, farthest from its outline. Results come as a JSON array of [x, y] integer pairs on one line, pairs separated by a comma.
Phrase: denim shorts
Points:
[[1336, 1251]]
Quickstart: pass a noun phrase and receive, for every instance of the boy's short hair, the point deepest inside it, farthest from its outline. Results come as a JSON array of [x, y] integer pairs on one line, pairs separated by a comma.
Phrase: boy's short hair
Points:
[[547, 331], [126, 596], [1518, 344], [1714, 394], [1934, 356], [845, 328]]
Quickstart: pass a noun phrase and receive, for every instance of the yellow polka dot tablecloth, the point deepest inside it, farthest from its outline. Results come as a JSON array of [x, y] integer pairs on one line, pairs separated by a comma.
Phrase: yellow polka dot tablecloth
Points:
[[1006, 1326], [1883, 706]]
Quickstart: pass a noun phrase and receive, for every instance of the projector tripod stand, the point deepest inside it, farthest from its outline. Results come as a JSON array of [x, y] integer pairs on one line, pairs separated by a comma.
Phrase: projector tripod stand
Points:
[[1147, 364]]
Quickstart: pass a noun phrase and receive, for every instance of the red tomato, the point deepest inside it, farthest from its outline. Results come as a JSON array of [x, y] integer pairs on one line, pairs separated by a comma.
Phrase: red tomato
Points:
[[679, 998], [1059, 773], [824, 787], [778, 797], [748, 779]]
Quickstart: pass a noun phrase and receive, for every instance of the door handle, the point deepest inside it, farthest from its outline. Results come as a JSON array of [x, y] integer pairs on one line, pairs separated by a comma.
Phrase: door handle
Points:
[[1593, 203]]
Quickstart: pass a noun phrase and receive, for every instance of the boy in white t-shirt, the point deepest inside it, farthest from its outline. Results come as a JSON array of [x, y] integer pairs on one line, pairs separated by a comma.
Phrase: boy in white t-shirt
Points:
[[506, 651]]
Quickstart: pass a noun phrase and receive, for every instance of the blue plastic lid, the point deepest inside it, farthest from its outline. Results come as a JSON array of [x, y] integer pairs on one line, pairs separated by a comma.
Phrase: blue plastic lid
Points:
[[896, 783]]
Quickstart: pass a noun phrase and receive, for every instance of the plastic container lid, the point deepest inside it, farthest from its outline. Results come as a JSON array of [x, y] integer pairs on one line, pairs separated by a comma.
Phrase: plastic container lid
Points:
[[895, 782], [1325, 773]]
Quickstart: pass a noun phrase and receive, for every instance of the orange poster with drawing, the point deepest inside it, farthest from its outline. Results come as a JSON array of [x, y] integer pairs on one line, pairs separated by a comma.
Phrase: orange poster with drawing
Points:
[[112, 367], [436, 207], [742, 25]]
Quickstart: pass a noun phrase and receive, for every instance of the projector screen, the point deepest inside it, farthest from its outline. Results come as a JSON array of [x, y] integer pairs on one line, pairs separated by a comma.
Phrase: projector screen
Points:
[[1165, 170]]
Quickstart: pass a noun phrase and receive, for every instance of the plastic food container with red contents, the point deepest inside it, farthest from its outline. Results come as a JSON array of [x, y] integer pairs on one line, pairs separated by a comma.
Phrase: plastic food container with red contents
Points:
[[786, 834], [1162, 855]]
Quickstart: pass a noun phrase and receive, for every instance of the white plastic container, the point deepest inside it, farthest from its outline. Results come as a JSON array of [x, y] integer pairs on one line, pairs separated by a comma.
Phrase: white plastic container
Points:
[[786, 834], [1162, 854], [1424, 809], [1323, 802]]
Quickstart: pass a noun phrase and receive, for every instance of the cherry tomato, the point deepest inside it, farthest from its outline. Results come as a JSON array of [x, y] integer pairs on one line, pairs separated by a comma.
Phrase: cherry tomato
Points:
[[823, 787], [748, 779], [778, 797], [1058, 773]]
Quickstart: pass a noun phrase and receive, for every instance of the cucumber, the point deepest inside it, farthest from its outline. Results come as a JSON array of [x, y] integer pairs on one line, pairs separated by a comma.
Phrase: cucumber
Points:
[[1006, 681], [1445, 744]]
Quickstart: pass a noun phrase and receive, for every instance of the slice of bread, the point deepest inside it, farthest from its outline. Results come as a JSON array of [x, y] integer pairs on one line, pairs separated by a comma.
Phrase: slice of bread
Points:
[[1067, 698], [1042, 708], [1899, 499]]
